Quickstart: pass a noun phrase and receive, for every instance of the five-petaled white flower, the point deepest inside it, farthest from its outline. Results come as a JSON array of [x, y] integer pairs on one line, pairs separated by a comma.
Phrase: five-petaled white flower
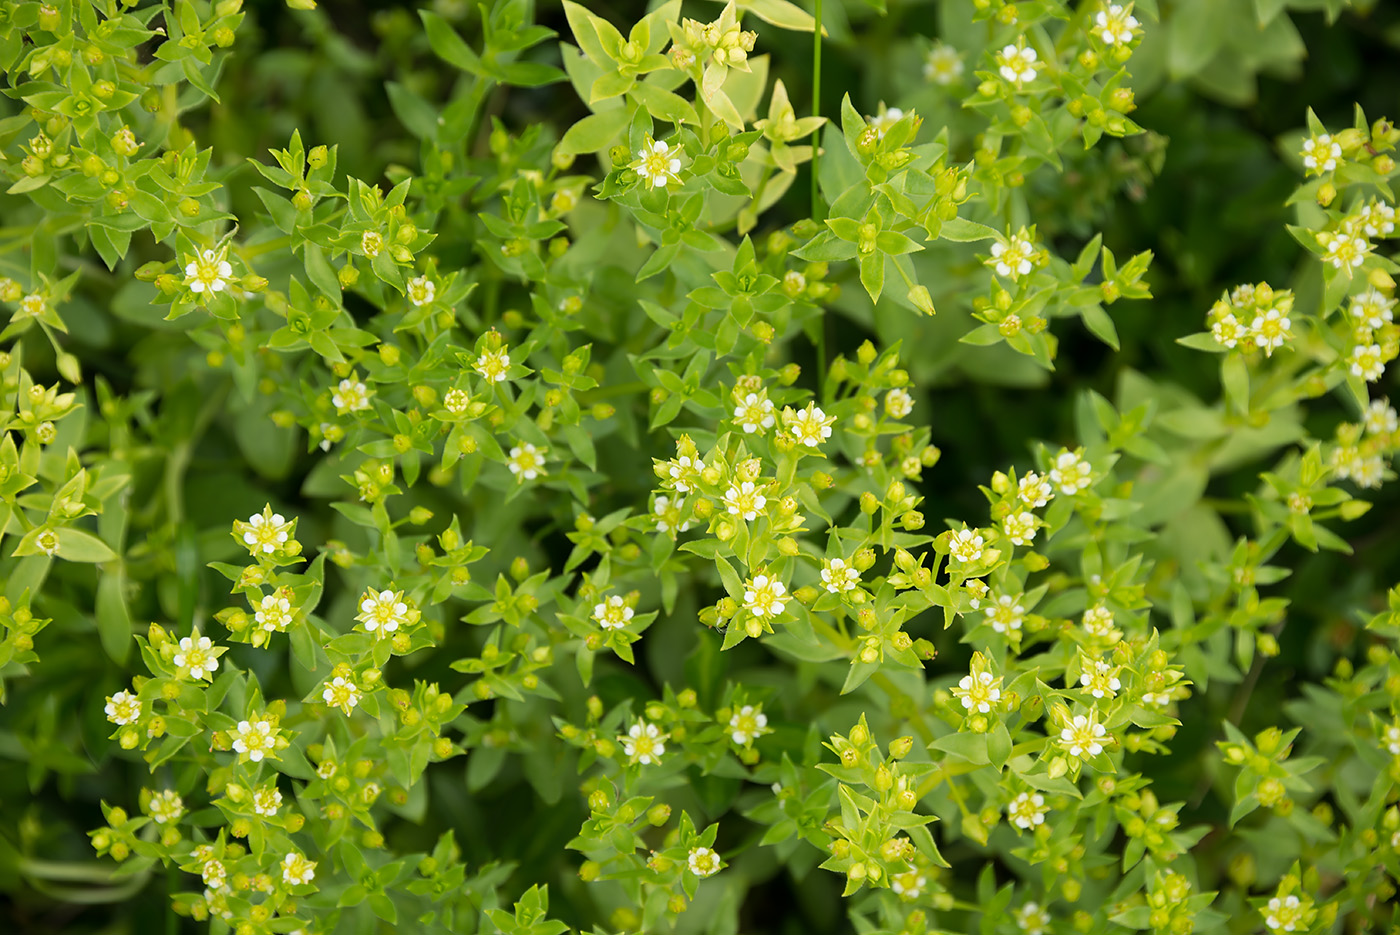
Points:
[[213, 873], [703, 862], [350, 396], [748, 724], [123, 708], [1027, 810], [1083, 736], [1013, 257], [1227, 331], [978, 691], [655, 165], [1098, 623], [1392, 738], [898, 403], [1070, 472], [383, 612], [908, 885], [644, 743], [273, 612], [1019, 527], [493, 364], [1005, 614], [1017, 64], [1380, 418], [1285, 914], [32, 306], [197, 656], [1271, 329], [1376, 219], [267, 801], [208, 272], [1115, 25], [667, 513], [612, 613], [755, 412], [1372, 308], [1343, 250], [341, 693], [1366, 362], [1034, 490], [1032, 919], [166, 807], [965, 545], [1321, 154], [1099, 678], [809, 426], [526, 461], [421, 290], [265, 532], [746, 500], [297, 870], [254, 738], [943, 64], [839, 576], [371, 242], [684, 472], [764, 596]]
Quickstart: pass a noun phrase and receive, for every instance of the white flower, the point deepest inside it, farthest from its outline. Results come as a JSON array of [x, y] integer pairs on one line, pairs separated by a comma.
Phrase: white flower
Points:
[[421, 290], [744, 499], [898, 403], [383, 612], [341, 693], [1034, 490], [1013, 257], [809, 426], [196, 654], [371, 242], [754, 413], [748, 724], [1032, 919], [1366, 362], [1004, 614], [1071, 473], [493, 364], [966, 545], [1100, 678], [684, 471], [1343, 250], [267, 801], [1019, 527], [1285, 914], [837, 576], [1376, 219], [655, 165], [1372, 308], [123, 708], [764, 596], [1027, 810], [1017, 64], [1270, 330], [1392, 738], [297, 870], [273, 613], [943, 65], [254, 739], [1098, 623], [979, 691], [166, 807], [350, 396], [1320, 154], [703, 862], [1369, 472], [526, 461], [1115, 25], [644, 743], [1083, 736], [908, 885], [1380, 418], [265, 532], [1228, 331], [886, 119], [612, 614], [214, 874], [32, 306], [208, 272]]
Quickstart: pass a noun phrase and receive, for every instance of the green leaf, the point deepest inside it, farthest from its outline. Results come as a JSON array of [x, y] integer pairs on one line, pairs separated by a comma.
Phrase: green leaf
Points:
[[75, 545], [595, 132]]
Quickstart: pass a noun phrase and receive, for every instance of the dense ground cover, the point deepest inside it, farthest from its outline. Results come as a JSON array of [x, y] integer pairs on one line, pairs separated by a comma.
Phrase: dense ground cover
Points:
[[646, 467]]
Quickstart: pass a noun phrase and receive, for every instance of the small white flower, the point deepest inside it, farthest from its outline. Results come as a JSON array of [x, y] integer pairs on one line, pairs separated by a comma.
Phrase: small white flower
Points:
[[898, 403], [166, 807], [350, 396], [809, 426], [684, 472], [612, 613], [266, 532], [908, 885], [1392, 739], [978, 691], [1372, 308], [1013, 257], [838, 576], [748, 724], [886, 119], [196, 654], [755, 413], [254, 739], [267, 801], [1017, 64], [1071, 473], [744, 499], [1027, 810], [1376, 219], [644, 743], [208, 272], [667, 514], [966, 545], [1343, 250], [1034, 490], [1366, 362], [1321, 154], [764, 596], [526, 461], [1115, 25], [1270, 330], [1227, 331], [943, 65], [123, 708], [1083, 736], [493, 365], [341, 693], [1380, 418], [273, 613], [703, 862], [421, 290], [1019, 527], [371, 242], [32, 306], [655, 165], [1005, 614], [1100, 678], [297, 870], [1032, 919], [383, 612], [214, 874], [1284, 914]]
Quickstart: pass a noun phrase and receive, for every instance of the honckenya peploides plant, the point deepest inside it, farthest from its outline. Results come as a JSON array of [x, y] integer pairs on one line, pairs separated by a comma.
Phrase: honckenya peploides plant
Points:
[[543, 466]]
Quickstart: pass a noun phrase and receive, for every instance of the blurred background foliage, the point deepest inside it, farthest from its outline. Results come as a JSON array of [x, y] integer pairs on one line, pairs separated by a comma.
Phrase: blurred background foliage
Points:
[[1204, 190]]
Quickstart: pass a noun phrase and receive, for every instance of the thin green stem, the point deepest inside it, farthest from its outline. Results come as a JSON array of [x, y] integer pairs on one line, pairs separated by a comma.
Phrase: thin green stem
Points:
[[817, 211]]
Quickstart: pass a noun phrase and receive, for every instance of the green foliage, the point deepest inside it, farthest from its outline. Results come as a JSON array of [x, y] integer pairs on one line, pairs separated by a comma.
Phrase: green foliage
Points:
[[610, 513]]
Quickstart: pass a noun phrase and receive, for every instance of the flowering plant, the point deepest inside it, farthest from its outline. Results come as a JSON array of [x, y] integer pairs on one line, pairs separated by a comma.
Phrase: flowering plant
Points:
[[442, 504]]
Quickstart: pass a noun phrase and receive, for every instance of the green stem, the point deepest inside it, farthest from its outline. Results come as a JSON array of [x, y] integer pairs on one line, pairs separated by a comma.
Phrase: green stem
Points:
[[817, 211]]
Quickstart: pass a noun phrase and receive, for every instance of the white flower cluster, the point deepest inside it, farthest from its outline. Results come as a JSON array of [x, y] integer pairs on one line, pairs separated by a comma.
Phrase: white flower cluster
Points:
[[1253, 316]]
